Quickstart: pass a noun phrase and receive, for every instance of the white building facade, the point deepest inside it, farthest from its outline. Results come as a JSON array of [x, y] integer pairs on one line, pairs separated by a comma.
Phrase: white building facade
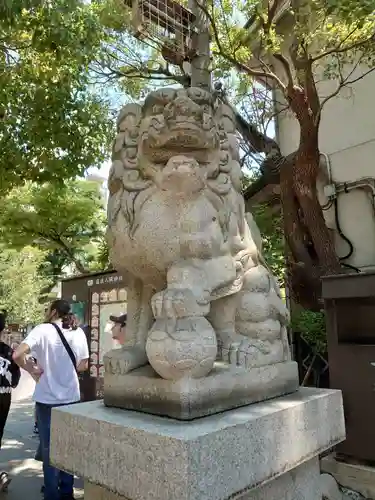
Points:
[[347, 142]]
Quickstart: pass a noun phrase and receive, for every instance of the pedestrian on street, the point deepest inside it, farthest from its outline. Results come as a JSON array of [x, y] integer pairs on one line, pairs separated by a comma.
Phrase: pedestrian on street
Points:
[[10, 375], [69, 323], [60, 354]]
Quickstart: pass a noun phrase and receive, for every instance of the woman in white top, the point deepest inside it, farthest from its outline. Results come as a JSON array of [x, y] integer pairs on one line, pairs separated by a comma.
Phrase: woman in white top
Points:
[[60, 355]]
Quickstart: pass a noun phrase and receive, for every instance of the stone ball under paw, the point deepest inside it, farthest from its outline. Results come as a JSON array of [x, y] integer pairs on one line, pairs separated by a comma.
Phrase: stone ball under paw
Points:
[[180, 348]]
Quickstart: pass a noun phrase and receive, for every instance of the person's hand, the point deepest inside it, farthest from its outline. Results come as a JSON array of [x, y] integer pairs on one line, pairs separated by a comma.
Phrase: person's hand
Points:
[[35, 371]]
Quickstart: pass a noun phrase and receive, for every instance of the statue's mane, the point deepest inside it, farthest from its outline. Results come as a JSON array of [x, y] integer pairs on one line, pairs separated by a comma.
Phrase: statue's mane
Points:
[[129, 189]]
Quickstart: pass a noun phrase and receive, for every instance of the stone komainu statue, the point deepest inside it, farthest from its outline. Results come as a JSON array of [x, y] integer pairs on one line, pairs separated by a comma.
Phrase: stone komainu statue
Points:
[[198, 287]]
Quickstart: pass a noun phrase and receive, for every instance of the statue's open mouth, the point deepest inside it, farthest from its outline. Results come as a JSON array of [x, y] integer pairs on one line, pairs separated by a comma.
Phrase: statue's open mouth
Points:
[[185, 125], [179, 137], [184, 136], [163, 153], [186, 142]]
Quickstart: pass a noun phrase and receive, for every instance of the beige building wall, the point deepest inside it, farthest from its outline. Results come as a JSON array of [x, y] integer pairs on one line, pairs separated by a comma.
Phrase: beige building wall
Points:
[[347, 136]]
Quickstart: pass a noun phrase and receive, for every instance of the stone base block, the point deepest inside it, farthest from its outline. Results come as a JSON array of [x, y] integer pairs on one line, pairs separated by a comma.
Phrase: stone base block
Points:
[[138, 456], [300, 484], [226, 387], [94, 492]]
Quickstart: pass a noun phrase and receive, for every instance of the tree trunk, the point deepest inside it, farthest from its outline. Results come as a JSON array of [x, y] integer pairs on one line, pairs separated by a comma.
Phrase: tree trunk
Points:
[[303, 273], [304, 182], [80, 267], [312, 251], [70, 254]]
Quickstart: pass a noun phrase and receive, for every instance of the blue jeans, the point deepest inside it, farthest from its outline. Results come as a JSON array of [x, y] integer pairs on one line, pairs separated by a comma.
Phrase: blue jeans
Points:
[[58, 484]]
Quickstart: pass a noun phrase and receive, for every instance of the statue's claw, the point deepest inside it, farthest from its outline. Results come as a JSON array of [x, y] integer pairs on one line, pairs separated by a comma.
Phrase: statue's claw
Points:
[[124, 360], [176, 303], [244, 352]]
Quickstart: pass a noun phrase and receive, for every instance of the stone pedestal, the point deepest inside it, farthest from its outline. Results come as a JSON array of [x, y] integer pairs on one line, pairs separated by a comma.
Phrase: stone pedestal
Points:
[[225, 388], [264, 451], [301, 483]]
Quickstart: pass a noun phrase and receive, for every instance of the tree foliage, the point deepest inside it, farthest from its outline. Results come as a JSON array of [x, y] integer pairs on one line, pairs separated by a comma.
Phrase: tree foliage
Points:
[[312, 326], [127, 63], [290, 47], [67, 222], [53, 124], [21, 284], [271, 227]]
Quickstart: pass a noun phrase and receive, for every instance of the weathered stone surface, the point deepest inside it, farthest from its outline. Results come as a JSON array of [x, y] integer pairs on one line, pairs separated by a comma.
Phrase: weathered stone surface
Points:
[[329, 488], [95, 492], [140, 456], [224, 388], [199, 288], [356, 477], [300, 484]]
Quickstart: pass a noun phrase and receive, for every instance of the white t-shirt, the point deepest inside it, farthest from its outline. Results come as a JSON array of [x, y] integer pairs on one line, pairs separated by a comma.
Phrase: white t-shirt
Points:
[[59, 382]]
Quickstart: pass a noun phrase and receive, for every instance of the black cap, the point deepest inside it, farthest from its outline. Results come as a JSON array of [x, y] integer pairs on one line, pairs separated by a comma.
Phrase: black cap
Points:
[[119, 319]]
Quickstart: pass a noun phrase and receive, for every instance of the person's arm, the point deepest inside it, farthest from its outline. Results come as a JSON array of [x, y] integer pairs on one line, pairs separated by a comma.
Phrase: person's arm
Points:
[[82, 350], [20, 355], [15, 371], [83, 365]]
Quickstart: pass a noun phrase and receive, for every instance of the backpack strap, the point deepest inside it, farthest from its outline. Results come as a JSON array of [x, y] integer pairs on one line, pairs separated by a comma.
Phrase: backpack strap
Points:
[[66, 345]]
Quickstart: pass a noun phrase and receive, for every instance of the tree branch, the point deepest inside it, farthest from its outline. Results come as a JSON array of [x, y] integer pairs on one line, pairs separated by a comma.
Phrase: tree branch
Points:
[[311, 91], [157, 74], [271, 11], [260, 142], [250, 71], [287, 69], [344, 82], [350, 82], [70, 253], [339, 49], [276, 114], [240, 66]]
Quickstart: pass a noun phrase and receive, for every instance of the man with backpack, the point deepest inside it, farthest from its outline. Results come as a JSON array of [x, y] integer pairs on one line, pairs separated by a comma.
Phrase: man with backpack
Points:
[[60, 354]]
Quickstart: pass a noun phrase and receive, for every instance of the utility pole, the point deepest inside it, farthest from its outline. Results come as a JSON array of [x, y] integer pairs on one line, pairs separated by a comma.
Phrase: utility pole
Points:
[[153, 21], [200, 63]]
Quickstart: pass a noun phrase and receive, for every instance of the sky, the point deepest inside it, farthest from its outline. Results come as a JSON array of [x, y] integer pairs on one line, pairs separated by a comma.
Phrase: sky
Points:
[[103, 171], [117, 99]]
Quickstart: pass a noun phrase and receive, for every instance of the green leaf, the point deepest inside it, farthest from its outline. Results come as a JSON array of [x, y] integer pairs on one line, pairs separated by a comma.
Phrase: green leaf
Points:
[[53, 125], [66, 221], [22, 285]]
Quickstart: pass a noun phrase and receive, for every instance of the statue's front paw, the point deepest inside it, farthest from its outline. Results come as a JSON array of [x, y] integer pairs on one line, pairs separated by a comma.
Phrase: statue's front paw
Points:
[[124, 360], [175, 303], [245, 352]]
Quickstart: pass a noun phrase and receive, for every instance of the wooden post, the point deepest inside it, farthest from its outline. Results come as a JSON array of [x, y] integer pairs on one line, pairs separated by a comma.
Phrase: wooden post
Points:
[[200, 74]]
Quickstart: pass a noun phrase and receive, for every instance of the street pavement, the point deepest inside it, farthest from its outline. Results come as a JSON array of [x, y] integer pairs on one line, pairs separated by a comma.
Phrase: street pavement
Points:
[[19, 445]]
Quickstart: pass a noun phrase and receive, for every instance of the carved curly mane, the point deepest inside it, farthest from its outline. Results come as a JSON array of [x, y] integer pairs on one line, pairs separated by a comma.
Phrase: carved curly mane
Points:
[[129, 189]]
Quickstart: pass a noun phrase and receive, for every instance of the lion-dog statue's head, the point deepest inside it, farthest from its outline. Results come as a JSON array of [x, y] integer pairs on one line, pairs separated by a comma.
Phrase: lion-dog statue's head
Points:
[[177, 141]]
